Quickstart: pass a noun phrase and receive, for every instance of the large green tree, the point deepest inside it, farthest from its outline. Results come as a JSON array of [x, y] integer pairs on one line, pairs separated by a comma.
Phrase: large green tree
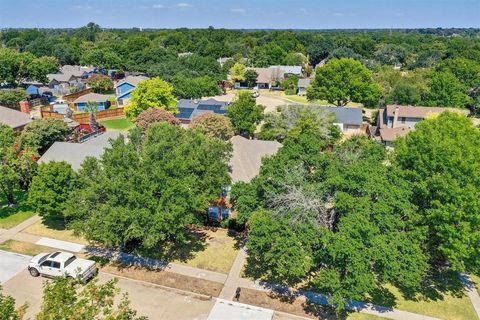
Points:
[[441, 161], [245, 114], [42, 133], [8, 310], [153, 93], [17, 164], [195, 88], [51, 187], [447, 91], [145, 190], [342, 81]]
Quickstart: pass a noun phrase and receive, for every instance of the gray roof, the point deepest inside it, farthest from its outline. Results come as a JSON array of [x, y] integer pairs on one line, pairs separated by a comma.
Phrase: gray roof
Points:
[[346, 115], [60, 77], [92, 97], [76, 71], [75, 153], [189, 109], [13, 118], [133, 80], [304, 83], [290, 69], [247, 157]]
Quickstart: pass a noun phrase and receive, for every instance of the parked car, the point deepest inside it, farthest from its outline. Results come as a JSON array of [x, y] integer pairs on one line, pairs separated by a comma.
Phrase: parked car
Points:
[[58, 264]]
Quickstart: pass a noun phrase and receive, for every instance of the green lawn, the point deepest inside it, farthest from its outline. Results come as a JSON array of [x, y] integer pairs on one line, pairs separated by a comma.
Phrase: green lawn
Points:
[[11, 216], [362, 316], [117, 124], [444, 297]]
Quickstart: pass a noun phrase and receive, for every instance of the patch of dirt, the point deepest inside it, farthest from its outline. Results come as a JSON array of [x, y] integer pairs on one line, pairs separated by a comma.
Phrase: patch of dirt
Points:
[[168, 279], [296, 306]]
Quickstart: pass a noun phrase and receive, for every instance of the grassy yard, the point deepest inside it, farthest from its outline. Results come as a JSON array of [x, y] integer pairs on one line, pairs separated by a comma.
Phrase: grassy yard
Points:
[[11, 216], [204, 249], [217, 255], [117, 124], [446, 301], [54, 228], [27, 248]]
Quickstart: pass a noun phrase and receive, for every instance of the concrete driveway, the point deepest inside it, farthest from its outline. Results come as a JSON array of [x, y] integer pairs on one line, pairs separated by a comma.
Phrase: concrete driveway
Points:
[[149, 300], [11, 264]]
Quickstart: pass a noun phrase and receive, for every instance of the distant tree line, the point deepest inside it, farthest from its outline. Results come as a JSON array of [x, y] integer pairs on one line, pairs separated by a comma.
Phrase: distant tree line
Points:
[[431, 60]]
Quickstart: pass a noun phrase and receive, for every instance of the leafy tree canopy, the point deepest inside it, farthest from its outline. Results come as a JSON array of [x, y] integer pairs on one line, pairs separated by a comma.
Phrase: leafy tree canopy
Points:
[[145, 190], [213, 125], [245, 114], [342, 81], [152, 93], [42, 133]]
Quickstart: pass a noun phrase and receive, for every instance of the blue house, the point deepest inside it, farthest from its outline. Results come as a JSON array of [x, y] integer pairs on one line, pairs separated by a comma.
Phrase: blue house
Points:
[[124, 88], [81, 102], [32, 90]]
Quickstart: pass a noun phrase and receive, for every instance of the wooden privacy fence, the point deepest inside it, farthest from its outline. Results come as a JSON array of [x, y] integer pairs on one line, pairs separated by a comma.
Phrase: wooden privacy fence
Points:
[[73, 96], [47, 112]]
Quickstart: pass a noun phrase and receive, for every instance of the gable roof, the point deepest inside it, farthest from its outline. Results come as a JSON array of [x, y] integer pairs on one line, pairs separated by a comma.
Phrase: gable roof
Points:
[[60, 77], [346, 115], [390, 134], [264, 75], [247, 157], [76, 71], [189, 109], [289, 69], [76, 153], [133, 80], [92, 97], [413, 112], [13, 118]]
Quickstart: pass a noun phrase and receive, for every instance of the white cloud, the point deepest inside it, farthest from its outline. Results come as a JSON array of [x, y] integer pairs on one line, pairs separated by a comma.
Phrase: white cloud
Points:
[[238, 10], [304, 11], [157, 6], [183, 5], [338, 14]]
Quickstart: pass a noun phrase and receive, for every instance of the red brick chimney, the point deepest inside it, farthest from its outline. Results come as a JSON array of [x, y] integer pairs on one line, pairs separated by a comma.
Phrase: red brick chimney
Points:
[[25, 107]]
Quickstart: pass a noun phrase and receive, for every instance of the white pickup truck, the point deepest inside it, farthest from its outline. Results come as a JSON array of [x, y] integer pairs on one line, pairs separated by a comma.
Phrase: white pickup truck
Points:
[[58, 264]]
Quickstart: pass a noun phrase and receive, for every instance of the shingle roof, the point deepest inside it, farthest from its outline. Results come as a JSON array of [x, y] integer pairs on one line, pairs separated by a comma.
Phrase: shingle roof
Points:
[[92, 97], [289, 69], [189, 109], [13, 118], [60, 77], [413, 112], [247, 157], [264, 75], [346, 115], [76, 71], [390, 134], [133, 80], [75, 153]]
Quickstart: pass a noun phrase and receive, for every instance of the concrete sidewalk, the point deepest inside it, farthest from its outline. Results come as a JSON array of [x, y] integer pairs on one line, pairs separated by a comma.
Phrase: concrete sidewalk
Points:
[[10, 233], [232, 282], [471, 292]]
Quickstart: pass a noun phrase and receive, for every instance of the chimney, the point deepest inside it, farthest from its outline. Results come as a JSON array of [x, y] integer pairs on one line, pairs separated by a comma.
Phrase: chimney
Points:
[[395, 117], [25, 107]]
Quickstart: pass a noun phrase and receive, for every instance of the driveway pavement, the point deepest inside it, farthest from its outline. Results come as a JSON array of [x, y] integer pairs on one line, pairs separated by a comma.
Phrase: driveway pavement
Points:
[[149, 300], [11, 264]]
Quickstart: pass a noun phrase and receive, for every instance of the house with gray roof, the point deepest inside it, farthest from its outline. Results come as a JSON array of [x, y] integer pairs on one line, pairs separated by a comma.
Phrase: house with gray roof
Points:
[[247, 157], [102, 101], [14, 119], [75, 153], [189, 109], [348, 119], [124, 88]]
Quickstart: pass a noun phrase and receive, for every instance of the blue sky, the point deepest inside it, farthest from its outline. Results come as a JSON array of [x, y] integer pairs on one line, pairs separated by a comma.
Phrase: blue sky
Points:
[[279, 14]]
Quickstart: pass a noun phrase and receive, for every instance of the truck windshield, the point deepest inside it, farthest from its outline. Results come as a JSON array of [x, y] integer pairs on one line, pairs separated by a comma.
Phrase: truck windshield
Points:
[[70, 260]]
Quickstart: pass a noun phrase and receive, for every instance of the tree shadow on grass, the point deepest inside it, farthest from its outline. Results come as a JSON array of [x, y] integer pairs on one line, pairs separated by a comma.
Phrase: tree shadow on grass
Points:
[[21, 204], [435, 286]]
